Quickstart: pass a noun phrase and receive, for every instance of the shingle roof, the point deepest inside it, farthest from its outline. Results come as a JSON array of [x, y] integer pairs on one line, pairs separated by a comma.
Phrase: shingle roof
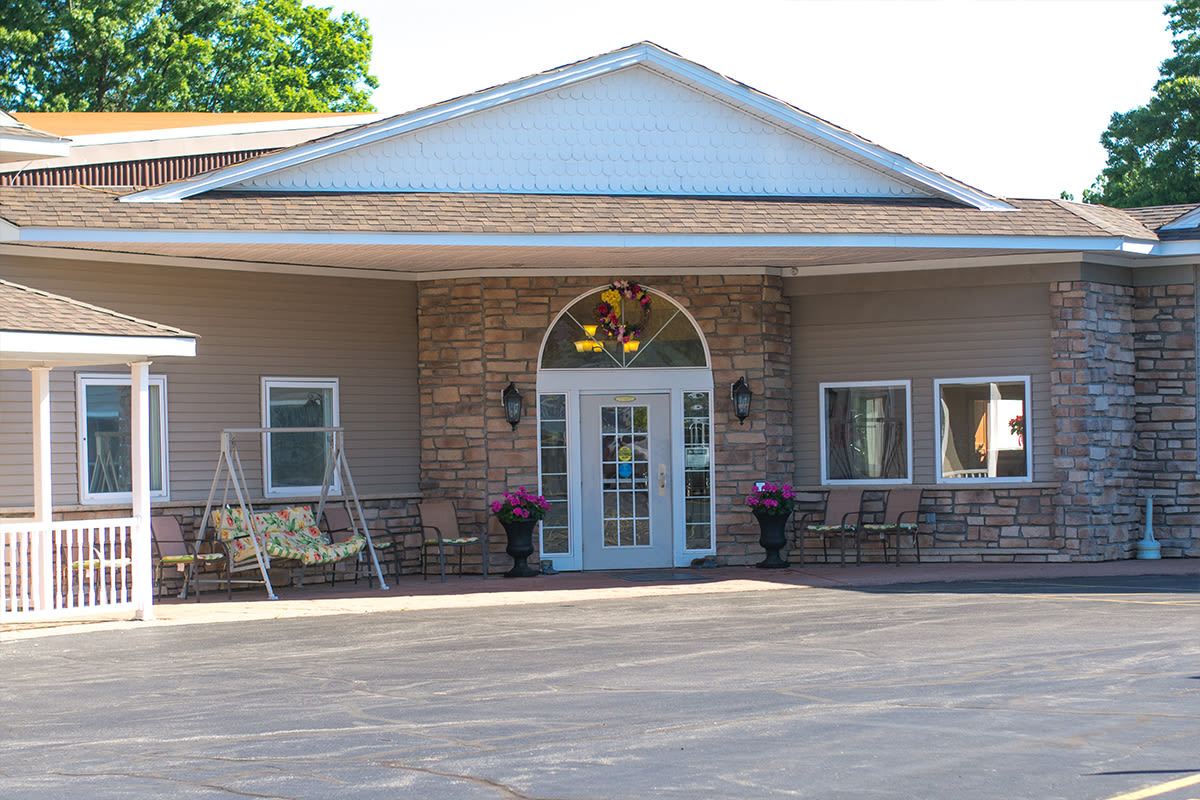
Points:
[[468, 213], [27, 310], [1113, 220], [1154, 217]]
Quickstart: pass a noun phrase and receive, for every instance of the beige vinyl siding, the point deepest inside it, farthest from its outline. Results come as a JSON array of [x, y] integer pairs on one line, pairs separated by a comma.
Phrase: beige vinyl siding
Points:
[[249, 325], [920, 335]]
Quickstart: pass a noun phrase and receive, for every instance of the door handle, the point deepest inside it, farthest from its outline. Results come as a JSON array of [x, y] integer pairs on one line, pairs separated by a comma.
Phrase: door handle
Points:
[[662, 480]]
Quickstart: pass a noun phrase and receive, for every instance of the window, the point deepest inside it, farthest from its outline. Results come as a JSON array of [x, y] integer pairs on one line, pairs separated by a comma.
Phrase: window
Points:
[[981, 427], [105, 465], [697, 470], [865, 432], [294, 463], [552, 435], [667, 339]]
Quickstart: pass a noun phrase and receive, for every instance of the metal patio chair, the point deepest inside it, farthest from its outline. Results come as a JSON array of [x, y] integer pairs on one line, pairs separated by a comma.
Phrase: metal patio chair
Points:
[[339, 526], [172, 549], [440, 532], [900, 515], [842, 515]]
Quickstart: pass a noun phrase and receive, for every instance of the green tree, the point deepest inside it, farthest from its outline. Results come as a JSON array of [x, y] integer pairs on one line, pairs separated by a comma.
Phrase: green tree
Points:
[[1154, 150], [182, 55]]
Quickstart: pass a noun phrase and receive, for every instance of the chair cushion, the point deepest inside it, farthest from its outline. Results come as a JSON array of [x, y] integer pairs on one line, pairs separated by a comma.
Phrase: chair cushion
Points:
[[903, 526], [826, 528], [188, 559], [453, 542], [98, 563]]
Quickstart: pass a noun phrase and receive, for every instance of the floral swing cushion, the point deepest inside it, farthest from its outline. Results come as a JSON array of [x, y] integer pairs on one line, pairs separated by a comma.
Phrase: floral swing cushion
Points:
[[293, 533], [289, 533]]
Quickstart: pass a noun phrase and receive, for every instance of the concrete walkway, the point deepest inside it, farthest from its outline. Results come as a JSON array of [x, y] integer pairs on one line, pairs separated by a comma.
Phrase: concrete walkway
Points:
[[411, 593]]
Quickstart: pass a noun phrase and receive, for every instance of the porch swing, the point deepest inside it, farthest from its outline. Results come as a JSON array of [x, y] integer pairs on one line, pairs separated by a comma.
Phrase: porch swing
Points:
[[254, 538]]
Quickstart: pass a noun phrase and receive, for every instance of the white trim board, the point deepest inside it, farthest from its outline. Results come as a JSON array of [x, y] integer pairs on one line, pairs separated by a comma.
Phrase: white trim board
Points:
[[32, 235]]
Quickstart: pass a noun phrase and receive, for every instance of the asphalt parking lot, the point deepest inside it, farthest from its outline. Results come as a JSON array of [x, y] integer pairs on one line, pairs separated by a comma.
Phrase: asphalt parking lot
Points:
[[1071, 688]]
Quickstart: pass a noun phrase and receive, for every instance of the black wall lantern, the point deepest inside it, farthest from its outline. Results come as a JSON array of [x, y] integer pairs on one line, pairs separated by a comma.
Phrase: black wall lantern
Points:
[[741, 395], [512, 404]]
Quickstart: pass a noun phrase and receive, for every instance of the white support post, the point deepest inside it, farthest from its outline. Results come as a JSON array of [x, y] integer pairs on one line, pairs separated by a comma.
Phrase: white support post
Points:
[[139, 454], [42, 482]]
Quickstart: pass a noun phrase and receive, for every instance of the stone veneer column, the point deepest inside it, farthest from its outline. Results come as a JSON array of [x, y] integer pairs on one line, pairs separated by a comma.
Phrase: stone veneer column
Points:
[[454, 433], [1165, 346], [1093, 405], [476, 335], [747, 322]]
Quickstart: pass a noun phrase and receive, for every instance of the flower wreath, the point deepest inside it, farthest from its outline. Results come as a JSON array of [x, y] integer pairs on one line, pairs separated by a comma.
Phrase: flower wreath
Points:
[[608, 311]]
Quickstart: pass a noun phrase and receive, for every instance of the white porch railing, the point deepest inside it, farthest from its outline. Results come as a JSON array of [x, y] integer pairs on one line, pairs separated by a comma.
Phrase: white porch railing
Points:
[[67, 567]]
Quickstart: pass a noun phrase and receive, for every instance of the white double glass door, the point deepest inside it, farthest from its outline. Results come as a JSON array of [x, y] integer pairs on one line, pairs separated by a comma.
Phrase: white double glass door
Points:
[[625, 470]]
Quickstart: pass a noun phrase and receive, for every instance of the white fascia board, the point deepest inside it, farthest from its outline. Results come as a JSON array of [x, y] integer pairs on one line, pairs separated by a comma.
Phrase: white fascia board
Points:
[[1189, 247], [667, 64], [9, 232], [91, 345], [612, 240], [16, 148], [1138, 246], [205, 131]]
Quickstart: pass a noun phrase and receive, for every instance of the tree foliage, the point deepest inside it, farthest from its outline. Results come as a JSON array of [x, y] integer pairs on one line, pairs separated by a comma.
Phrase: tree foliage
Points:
[[1154, 150], [182, 55]]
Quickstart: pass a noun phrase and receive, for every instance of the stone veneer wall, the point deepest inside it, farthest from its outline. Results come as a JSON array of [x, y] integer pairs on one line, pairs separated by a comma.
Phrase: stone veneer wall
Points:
[[1000, 523], [476, 335], [1164, 320], [1093, 405], [968, 524]]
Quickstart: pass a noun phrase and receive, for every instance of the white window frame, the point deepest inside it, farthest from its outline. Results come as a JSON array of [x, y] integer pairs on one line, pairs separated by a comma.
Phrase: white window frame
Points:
[[908, 433], [938, 383], [82, 381], [269, 383]]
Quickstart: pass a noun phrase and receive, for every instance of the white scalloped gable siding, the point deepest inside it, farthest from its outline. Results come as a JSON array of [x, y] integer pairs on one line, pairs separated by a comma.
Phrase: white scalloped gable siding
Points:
[[632, 131]]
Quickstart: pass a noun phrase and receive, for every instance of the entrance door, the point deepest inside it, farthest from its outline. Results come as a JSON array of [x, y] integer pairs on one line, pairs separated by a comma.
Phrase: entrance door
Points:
[[626, 500]]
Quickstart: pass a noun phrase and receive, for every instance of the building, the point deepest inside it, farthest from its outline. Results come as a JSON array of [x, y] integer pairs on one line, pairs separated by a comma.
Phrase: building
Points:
[[1030, 362]]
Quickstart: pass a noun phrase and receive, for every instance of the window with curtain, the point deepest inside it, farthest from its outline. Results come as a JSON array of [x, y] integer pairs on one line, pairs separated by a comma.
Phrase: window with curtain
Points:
[[982, 428], [294, 463], [865, 432], [105, 440]]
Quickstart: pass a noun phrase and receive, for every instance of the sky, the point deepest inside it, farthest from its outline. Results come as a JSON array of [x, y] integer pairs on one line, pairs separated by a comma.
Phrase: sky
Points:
[[1009, 96]]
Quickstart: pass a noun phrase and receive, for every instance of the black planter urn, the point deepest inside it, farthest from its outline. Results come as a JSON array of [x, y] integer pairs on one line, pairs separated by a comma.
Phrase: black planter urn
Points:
[[520, 547], [773, 538]]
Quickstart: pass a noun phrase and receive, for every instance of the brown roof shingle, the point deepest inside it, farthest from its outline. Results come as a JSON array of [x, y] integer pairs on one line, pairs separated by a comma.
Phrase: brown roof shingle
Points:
[[33, 311], [1154, 217], [82, 208]]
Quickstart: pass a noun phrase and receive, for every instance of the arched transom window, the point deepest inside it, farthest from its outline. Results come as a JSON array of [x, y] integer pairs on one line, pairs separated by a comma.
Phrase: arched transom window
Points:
[[591, 334]]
